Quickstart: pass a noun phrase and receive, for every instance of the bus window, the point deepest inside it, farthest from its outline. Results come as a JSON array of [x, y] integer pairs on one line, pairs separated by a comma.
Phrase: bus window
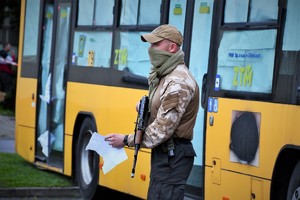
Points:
[[103, 12], [147, 14], [132, 54], [93, 48], [289, 72], [246, 60], [92, 12], [291, 42], [177, 14], [30, 37], [246, 56], [87, 42], [266, 10]]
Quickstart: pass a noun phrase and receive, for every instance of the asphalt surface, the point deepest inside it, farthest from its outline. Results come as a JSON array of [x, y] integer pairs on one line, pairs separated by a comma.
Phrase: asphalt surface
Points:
[[7, 134], [7, 145]]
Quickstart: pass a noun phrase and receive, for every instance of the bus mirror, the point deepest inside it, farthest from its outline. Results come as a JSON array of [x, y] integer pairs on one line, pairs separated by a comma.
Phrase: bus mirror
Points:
[[133, 78]]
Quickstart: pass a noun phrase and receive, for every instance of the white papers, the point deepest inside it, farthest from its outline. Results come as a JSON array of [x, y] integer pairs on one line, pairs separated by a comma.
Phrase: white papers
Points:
[[46, 97], [43, 139], [111, 156]]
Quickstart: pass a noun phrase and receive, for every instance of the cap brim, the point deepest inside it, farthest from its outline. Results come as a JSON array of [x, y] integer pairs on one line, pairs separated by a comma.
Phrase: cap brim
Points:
[[150, 38]]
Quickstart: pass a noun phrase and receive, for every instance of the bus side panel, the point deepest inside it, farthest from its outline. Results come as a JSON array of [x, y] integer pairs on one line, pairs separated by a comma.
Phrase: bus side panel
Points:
[[138, 185], [116, 114], [235, 186], [25, 142], [26, 102], [274, 122], [68, 155], [25, 118]]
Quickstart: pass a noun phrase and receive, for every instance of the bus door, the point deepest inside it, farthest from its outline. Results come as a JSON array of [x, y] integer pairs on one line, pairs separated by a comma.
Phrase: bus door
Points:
[[51, 83], [194, 19]]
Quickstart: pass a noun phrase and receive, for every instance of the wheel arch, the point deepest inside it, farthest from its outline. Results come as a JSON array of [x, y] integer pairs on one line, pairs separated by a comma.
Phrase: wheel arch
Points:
[[286, 160]]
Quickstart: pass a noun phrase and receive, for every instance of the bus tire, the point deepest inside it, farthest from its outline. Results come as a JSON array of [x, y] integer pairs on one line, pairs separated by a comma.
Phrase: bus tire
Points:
[[294, 184], [87, 162]]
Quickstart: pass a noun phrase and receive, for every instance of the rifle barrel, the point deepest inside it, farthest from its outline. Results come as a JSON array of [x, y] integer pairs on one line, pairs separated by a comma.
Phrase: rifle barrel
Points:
[[133, 167]]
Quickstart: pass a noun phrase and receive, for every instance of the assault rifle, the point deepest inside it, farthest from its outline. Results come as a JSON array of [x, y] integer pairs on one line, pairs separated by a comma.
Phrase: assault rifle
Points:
[[140, 126]]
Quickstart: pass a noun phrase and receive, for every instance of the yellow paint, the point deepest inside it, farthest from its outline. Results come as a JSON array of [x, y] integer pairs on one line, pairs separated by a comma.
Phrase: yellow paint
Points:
[[109, 106], [216, 171], [120, 178], [25, 142], [234, 186], [278, 121], [26, 102], [256, 189], [68, 155]]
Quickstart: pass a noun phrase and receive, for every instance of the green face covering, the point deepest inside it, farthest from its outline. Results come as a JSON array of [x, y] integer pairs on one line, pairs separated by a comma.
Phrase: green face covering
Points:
[[163, 63], [158, 57]]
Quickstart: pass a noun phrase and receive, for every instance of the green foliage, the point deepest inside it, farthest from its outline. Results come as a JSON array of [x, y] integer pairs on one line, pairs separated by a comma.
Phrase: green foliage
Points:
[[6, 111], [16, 172], [10, 9]]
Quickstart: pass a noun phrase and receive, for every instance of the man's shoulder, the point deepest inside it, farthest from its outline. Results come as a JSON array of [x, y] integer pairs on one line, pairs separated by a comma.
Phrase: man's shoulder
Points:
[[182, 77], [182, 74]]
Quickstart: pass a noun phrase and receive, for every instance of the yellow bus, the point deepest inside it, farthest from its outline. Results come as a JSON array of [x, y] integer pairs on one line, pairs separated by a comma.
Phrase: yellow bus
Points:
[[82, 69]]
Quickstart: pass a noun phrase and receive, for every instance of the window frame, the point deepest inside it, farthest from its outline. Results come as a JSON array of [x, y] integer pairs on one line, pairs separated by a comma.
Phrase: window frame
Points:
[[218, 27]]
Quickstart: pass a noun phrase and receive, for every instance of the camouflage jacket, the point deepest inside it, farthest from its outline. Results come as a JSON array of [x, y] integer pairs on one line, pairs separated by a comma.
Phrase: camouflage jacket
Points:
[[174, 109]]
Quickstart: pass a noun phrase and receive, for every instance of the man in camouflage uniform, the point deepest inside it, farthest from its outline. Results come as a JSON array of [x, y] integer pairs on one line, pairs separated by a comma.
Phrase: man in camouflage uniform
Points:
[[173, 102]]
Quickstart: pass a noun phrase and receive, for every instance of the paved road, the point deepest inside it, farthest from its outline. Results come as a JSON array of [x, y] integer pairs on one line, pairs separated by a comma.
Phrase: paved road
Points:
[[7, 134]]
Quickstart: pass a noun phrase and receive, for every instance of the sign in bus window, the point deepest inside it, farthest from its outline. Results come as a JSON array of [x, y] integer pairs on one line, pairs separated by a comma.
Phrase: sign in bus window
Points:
[[131, 54], [92, 46], [246, 61]]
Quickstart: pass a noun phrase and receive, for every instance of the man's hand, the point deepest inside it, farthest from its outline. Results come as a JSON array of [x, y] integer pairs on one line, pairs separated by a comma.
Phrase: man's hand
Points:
[[137, 106], [115, 140]]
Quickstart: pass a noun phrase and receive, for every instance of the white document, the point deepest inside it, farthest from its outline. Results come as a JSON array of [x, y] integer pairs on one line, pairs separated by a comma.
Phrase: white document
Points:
[[46, 97], [111, 156], [43, 139]]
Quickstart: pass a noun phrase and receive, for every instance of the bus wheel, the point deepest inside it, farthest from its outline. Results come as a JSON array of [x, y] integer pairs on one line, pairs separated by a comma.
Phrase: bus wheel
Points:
[[87, 162], [294, 185]]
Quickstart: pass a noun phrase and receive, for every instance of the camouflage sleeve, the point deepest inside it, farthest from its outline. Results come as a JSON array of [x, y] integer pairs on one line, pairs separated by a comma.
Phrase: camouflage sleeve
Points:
[[174, 100]]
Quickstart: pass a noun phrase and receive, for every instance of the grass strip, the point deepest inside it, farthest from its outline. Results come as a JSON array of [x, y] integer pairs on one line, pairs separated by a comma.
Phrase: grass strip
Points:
[[17, 172]]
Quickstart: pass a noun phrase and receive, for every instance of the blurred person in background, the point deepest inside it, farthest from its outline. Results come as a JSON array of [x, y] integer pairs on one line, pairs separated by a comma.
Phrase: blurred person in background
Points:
[[7, 59], [8, 73]]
